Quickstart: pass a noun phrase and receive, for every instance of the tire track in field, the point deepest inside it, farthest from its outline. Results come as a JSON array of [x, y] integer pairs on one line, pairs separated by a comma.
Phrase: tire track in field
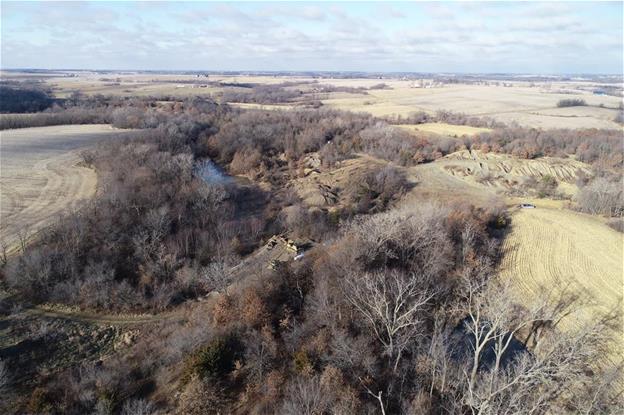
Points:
[[40, 178], [549, 247]]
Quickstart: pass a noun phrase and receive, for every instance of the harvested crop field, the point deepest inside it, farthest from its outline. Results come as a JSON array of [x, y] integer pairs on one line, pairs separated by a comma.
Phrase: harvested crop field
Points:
[[548, 248], [554, 248], [528, 106], [40, 176], [445, 129]]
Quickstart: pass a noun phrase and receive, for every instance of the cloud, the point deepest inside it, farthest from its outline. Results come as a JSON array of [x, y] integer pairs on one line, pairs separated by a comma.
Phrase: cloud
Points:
[[439, 10], [446, 37], [313, 13], [388, 11]]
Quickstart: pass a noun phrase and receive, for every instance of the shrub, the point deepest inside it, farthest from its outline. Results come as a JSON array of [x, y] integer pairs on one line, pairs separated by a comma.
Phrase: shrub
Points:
[[253, 310], [214, 360], [547, 186], [19, 100], [377, 189], [382, 85], [617, 224], [201, 397], [571, 102], [138, 407], [302, 362], [39, 402], [305, 396], [245, 161], [603, 197]]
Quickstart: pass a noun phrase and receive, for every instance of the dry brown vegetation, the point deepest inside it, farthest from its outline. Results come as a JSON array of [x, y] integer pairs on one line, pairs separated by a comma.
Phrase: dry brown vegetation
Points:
[[387, 300], [530, 104], [540, 177]]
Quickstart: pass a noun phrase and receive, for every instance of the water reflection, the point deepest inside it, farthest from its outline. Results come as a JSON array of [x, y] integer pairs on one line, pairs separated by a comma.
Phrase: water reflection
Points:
[[211, 173]]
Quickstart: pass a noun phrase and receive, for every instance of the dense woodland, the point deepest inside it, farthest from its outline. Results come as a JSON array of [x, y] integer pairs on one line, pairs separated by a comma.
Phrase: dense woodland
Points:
[[285, 92], [21, 100], [391, 311]]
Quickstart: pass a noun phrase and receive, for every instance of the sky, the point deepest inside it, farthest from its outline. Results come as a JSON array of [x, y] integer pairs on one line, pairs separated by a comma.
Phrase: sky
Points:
[[441, 37]]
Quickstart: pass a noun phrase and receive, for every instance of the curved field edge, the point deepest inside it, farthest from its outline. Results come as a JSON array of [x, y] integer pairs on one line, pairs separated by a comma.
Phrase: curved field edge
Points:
[[40, 177], [564, 250]]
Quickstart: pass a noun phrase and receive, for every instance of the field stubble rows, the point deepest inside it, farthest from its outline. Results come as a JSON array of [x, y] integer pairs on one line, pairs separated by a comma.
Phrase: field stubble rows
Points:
[[40, 177], [559, 248]]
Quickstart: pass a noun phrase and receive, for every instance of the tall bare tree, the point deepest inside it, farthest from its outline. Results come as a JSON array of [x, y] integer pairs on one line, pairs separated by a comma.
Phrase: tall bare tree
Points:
[[392, 303], [489, 371]]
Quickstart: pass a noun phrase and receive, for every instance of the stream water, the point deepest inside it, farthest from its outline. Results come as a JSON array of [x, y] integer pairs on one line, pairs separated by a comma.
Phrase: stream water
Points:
[[213, 174]]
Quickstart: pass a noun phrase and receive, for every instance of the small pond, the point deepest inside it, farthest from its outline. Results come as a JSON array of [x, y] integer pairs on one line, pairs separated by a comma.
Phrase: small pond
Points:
[[211, 173]]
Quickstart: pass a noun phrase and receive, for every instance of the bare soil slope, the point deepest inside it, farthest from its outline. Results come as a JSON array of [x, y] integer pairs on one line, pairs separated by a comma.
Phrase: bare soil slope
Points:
[[326, 189], [548, 247], [477, 177], [504, 172], [40, 177]]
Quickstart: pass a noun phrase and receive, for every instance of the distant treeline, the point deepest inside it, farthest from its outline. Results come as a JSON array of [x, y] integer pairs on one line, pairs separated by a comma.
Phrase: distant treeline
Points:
[[79, 109], [374, 135], [58, 117], [448, 117], [571, 102], [21, 100], [285, 92], [602, 148]]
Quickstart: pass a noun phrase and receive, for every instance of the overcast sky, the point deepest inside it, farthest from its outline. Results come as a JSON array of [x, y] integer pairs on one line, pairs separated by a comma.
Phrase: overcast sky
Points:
[[419, 37]]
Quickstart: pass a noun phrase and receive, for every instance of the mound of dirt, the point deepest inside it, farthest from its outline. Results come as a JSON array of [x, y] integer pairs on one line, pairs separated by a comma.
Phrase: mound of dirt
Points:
[[327, 189], [505, 172]]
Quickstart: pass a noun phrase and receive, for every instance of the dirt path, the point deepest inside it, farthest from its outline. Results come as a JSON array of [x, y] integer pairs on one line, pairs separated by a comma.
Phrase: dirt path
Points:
[[40, 177], [240, 275], [108, 319]]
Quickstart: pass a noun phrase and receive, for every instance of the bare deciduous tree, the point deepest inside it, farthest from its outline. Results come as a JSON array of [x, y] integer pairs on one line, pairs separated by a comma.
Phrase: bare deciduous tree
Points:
[[413, 238], [602, 196], [4, 378], [138, 407], [305, 396], [217, 275], [489, 371], [392, 303]]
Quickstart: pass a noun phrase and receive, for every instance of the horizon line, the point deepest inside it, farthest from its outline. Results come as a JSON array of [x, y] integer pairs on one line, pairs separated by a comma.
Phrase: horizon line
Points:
[[277, 71]]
